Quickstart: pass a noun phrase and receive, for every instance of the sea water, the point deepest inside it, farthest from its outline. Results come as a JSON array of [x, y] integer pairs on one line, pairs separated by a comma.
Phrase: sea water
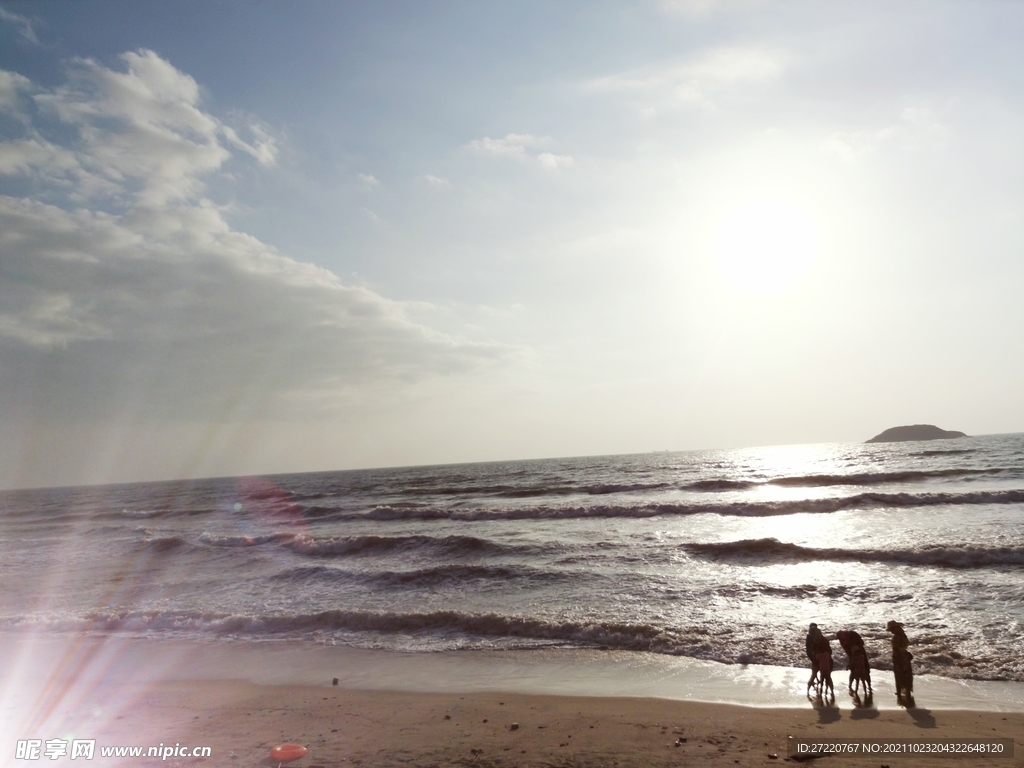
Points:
[[717, 556]]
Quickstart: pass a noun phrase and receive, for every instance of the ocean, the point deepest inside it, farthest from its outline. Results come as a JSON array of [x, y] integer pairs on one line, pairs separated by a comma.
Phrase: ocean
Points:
[[723, 556]]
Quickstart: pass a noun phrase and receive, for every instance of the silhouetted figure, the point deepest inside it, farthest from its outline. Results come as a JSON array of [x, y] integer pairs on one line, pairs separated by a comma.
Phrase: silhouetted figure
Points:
[[901, 665], [813, 635], [823, 655], [857, 660]]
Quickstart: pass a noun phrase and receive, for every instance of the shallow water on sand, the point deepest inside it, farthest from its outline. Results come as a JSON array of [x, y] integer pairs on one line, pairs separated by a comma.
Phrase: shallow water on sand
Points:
[[62, 664]]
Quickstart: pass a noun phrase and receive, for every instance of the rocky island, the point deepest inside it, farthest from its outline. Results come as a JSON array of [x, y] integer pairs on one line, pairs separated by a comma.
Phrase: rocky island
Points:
[[915, 432]]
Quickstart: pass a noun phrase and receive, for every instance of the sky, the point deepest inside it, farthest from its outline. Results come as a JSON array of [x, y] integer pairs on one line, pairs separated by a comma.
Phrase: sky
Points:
[[265, 237]]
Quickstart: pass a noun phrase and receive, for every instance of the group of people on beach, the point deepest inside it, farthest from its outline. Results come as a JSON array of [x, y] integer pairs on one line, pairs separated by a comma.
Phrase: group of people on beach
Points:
[[819, 651]]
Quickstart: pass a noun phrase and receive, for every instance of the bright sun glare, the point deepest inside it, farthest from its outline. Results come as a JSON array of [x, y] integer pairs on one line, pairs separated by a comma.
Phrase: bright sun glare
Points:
[[767, 245]]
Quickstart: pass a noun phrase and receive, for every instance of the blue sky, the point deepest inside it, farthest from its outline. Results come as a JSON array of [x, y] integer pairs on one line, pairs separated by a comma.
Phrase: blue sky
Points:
[[268, 237]]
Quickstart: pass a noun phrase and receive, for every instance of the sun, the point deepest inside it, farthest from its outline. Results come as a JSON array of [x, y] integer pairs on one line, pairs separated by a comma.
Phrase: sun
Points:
[[767, 245]]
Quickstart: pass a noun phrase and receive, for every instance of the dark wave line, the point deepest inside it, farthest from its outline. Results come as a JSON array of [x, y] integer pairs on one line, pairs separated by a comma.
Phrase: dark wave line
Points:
[[424, 577], [165, 545], [721, 485], [509, 491], [449, 546], [872, 500], [950, 452], [333, 546], [143, 514], [535, 491], [854, 479], [605, 488], [880, 478], [219, 540], [773, 551]]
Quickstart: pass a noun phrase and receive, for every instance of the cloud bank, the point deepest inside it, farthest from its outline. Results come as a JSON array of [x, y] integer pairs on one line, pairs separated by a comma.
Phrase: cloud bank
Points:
[[125, 293]]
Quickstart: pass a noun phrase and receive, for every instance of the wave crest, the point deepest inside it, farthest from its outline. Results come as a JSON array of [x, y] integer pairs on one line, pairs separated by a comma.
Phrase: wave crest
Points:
[[774, 551], [420, 578]]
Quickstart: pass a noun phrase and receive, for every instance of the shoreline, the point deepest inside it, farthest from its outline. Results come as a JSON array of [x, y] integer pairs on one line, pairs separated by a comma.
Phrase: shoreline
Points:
[[389, 709], [97, 658]]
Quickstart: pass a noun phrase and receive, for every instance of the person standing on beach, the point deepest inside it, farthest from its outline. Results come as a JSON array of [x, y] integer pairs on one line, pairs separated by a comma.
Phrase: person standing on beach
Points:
[[857, 658], [814, 638], [823, 653], [901, 665], [849, 639]]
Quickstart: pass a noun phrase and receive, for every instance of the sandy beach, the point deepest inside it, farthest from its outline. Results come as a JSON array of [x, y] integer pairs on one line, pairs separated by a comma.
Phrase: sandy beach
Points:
[[533, 709], [241, 722]]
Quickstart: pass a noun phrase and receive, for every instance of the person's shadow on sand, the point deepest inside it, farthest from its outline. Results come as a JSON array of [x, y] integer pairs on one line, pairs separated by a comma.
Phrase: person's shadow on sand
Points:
[[922, 717], [867, 702], [864, 709], [827, 713]]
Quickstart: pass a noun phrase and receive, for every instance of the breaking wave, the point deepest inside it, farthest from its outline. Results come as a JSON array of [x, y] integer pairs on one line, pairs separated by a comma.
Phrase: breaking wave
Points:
[[434, 576], [450, 546], [774, 551], [331, 546], [215, 540]]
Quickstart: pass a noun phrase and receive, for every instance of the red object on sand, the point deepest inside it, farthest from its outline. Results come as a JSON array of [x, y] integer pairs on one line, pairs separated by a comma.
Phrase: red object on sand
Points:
[[285, 753]]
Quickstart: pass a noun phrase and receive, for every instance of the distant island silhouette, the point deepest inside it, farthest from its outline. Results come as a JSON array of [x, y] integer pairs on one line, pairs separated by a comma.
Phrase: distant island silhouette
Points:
[[915, 432]]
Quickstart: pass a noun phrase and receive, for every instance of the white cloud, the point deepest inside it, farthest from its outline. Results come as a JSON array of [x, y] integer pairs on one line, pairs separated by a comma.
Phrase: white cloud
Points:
[[512, 144], [25, 156], [688, 7], [922, 122], [262, 147], [369, 180], [917, 128], [161, 303], [437, 181], [144, 124], [10, 84], [555, 162], [696, 81], [522, 146], [142, 136], [25, 24]]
